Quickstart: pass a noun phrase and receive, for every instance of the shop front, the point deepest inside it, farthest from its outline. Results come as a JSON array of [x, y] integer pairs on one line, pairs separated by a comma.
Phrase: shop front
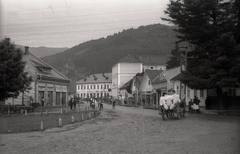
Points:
[[52, 94]]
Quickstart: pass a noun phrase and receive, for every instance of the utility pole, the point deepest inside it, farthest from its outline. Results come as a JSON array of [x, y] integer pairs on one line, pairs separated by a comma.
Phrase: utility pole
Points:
[[185, 59]]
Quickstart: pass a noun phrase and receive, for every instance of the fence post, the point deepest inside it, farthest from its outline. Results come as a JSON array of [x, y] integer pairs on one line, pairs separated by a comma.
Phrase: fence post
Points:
[[72, 119], [82, 117], [41, 125], [61, 111], [25, 112], [60, 122], [46, 111]]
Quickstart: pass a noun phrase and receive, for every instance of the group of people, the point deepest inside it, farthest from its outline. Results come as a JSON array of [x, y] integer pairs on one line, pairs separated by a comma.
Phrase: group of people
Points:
[[73, 103], [94, 102], [194, 101]]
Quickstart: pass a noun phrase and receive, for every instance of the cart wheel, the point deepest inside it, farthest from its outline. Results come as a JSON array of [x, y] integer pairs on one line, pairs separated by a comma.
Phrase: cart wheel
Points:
[[163, 114]]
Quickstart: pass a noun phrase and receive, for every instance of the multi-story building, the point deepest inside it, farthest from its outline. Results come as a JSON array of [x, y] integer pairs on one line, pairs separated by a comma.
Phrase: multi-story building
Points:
[[49, 87], [95, 86], [122, 72], [129, 66]]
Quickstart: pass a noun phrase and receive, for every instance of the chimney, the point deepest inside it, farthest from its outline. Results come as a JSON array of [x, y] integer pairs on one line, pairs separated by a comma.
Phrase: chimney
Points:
[[7, 40], [26, 50]]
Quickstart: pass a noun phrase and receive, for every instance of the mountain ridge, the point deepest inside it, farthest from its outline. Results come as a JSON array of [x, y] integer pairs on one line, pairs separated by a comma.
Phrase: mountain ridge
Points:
[[98, 56]]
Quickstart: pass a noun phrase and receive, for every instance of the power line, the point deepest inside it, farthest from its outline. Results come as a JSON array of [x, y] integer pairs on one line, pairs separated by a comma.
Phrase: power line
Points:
[[78, 16]]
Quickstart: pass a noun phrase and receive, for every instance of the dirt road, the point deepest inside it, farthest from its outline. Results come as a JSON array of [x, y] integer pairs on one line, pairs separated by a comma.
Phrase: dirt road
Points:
[[128, 130]]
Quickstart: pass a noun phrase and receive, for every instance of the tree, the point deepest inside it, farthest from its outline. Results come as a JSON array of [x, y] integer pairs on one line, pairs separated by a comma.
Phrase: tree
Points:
[[13, 78], [175, 59], [212, 27]]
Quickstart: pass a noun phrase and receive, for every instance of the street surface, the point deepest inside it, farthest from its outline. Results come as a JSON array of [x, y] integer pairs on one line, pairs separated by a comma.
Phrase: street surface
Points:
[[128, 130]]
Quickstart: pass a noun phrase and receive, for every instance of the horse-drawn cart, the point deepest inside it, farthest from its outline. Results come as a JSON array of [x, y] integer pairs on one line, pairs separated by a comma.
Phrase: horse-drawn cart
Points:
[[171, 105]]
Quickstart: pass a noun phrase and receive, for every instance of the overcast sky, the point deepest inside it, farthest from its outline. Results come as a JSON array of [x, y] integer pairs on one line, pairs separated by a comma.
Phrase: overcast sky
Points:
[[66, 23]]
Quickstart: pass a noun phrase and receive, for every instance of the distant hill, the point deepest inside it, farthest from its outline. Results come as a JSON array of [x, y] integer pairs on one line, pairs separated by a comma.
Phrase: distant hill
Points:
[[43, 51], [97, 56]]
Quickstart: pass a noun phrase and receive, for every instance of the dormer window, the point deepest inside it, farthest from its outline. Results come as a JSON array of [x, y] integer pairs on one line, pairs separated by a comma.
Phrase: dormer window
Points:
[[44, 69]]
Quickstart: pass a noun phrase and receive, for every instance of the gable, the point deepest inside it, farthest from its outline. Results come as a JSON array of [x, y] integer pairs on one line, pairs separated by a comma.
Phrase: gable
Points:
[[146, 84]]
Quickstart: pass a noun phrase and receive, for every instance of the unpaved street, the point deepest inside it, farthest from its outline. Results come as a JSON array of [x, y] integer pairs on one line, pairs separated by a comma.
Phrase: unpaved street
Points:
[[132, 131]]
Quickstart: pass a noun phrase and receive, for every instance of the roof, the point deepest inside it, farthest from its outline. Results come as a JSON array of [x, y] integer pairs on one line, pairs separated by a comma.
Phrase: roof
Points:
[[144, 59], [35, 67], [153, 74], [168, 74], [177, 77], [127, 86], [97, 78]]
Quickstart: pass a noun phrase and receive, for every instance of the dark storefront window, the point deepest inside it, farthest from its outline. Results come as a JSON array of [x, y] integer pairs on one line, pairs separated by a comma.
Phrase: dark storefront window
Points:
[[57, 98]]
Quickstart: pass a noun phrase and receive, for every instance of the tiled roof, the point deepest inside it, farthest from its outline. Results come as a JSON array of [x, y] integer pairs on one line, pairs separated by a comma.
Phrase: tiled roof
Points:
[[167, 75], [33, 64], [144, 59], [97, 78]]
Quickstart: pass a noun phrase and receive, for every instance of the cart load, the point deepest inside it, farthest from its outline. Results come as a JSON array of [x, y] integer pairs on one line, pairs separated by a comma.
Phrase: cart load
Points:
[[169, 102], [170, 105]]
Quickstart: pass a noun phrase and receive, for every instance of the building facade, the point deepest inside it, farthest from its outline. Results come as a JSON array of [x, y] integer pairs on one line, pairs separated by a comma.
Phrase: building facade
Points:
[[49, 87], [129, 66], [95, 86]]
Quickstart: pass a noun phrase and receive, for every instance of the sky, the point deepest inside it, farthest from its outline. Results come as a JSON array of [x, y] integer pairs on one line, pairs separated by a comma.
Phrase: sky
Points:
[[66, 23]]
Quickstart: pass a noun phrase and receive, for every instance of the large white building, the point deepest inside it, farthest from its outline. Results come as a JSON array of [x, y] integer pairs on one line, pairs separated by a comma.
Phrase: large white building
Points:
[[95, 86], [129, 66]]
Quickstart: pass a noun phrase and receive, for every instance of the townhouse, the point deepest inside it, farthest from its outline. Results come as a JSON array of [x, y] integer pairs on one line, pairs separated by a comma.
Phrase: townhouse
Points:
[[49, 87], [94, 86]]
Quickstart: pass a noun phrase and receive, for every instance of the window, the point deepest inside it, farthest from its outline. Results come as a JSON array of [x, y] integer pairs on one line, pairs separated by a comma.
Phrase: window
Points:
[[91, 87], [104, 86], [94, 86], [78, 87], [84, 87], [101, 86], [149, 82], [97, 86]]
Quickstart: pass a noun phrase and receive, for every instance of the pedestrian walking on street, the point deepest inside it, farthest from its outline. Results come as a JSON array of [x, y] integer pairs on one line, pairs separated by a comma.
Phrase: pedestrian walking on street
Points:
[[101, 104], [70, 103], [190, 103], [74, 103], [113, 104]]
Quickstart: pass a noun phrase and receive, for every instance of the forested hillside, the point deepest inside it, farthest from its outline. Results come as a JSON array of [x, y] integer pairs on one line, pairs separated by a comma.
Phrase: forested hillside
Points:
[[97, 56], [43, 51]]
